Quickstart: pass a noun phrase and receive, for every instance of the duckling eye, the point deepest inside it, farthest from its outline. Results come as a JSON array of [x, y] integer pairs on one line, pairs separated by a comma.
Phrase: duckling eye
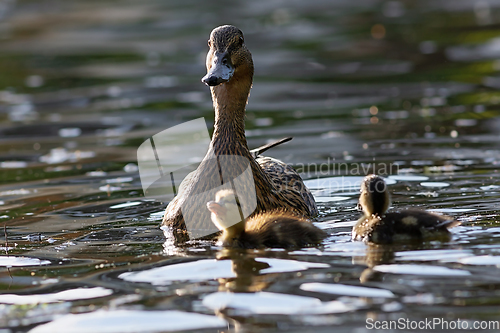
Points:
[[241, 40], [209, 43]]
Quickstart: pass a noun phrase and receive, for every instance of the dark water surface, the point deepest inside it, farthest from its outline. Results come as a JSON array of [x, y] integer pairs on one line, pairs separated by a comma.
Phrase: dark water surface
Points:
[[406, 88]]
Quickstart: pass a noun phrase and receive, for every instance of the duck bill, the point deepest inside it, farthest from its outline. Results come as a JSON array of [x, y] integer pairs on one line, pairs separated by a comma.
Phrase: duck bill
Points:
[[221, 70], [215, 208]]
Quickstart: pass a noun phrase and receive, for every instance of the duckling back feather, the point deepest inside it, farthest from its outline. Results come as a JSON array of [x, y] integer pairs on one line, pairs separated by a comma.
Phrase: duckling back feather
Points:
[[277, 229]]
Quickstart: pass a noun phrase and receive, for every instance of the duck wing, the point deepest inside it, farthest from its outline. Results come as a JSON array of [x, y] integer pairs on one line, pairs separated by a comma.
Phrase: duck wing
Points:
[[259, 150], [288, 183]]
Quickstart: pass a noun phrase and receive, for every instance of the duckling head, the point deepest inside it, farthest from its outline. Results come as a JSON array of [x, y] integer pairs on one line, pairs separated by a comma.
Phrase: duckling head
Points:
[[228, 58], [374, 198], [225, 210]]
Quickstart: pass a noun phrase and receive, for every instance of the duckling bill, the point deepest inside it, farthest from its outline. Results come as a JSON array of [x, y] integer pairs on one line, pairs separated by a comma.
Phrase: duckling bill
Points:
[[277, 228], [379, 226]]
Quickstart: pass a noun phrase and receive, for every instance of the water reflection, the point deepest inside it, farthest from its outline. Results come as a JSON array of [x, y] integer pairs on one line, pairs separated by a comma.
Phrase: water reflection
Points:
[[247, 272], [230, 265]]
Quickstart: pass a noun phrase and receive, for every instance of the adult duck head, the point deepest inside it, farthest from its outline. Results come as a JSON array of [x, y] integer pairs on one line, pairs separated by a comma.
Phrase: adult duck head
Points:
[[228, 57], [229, 75]]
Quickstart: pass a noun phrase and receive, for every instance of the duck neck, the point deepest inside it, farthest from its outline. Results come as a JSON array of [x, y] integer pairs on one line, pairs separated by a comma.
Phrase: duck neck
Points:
[[230, 100], [233, 233]]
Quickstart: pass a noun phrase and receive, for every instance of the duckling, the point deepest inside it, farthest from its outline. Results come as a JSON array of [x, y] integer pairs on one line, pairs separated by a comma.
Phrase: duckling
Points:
[[276, 228], [229, 75], [378, 226]]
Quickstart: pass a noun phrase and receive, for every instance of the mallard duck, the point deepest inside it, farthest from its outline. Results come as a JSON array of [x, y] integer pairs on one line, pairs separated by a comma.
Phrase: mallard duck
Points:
[[276, 228], [378, 226], [229, 75]]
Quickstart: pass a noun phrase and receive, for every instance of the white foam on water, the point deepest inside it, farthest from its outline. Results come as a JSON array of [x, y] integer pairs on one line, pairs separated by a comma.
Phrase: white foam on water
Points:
[[486, 260], [21, 191], [451, 210], [489, 187], [331, 199], [408, 178], [211, 269], [108, 188], [12, 261], [273, 303], [126, 204], [130, 321], [339, 184], [346, 290], [433, 255], [420, 270], [97, 173], [13, 164], [434, 184], [285, 265], [66, 295], [119, 180], [200, 270]]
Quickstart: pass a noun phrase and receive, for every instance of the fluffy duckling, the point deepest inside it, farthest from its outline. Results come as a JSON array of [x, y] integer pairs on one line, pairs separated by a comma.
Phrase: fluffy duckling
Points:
[[378, 226], [276, 228], [230, 75]]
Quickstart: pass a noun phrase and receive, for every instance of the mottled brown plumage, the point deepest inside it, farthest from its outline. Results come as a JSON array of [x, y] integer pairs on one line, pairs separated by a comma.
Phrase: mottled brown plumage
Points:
[[276, 228], [378, 226], [230, 74]]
